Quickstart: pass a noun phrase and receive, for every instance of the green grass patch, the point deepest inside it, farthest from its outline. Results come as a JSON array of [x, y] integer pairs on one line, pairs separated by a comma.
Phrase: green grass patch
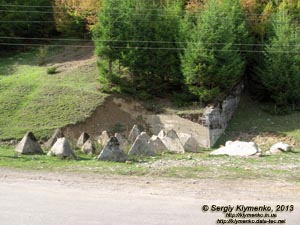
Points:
[[195, 165], [84, 163], [33, 100], [250, 118]]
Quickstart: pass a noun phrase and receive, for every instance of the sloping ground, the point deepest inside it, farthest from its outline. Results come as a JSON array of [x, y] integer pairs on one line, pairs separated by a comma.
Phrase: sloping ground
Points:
[[30, 99], [114, 115], [33, 100], [251, 123], [180, 125], [119, 114]]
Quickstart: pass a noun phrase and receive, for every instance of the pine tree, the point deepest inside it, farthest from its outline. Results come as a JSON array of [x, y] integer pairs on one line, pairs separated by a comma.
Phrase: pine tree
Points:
[[213, 59], [143, 42], [280, 74], [109, 36], [154, 62], [25, 24]]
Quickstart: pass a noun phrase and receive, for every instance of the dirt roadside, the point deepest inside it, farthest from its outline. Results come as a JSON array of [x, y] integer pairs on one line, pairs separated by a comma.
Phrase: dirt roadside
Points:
[[78, 199], [208, 188]]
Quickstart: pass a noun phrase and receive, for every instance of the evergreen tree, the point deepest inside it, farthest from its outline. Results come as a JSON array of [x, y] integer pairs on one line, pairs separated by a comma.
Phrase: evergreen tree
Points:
[[21, 23], [143, 41], [280, 74], [109, 37], [213, 61], [154, 62]]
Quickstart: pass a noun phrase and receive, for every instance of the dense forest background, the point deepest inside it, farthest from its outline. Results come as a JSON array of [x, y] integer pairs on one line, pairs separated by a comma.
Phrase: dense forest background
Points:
[[189, 50]]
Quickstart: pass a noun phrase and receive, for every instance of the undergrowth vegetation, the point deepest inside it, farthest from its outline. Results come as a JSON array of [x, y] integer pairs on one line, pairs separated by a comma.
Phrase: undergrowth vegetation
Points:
[[252, 123]]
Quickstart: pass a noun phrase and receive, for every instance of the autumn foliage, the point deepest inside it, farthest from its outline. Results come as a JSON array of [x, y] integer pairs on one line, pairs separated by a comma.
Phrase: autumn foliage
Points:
[[76, 17]]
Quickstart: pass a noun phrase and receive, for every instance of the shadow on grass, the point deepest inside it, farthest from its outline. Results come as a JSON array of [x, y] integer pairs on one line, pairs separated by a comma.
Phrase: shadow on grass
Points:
[[8, 62]]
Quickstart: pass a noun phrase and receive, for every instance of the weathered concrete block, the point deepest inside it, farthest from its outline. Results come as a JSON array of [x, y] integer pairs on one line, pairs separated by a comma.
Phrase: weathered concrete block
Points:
[[134, 133], [172, 142], [161, 134], [104, 138], [156, 144], [141, 147], [62, 148], [113, 152], [82, 139], [190, 144], [57, 134], [122, 140], [29, 145], [88, 147]]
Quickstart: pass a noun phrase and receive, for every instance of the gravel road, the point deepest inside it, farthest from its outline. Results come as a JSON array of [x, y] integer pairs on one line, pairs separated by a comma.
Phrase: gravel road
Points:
[[35, 198]]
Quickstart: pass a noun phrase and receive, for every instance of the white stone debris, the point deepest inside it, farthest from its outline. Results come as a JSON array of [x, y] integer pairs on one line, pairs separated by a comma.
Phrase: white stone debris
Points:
[[237, 148], [279, 148]]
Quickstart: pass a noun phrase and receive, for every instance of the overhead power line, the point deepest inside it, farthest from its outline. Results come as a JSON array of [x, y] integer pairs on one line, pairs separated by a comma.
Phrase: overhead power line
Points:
[[128, 41], [52, 21], [95, 11], [27, 6], [57, 7], [148, 48], [41, 12], [148, 9], [24, 21]]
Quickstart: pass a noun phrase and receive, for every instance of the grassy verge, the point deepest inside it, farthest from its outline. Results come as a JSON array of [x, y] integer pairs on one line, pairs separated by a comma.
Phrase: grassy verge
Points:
[[33, 100], [251, 123], [201, 165]]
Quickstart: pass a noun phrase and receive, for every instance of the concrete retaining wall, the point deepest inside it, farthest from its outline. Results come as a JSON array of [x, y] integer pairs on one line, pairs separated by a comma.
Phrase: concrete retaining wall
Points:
[[206, 127], [216, 118]]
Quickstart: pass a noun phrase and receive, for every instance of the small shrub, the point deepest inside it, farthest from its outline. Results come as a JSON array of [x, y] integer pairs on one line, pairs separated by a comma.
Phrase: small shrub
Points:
[[153, 107], [42, 55], [143, 95], [118, 128], [51, 70], [183, 99]]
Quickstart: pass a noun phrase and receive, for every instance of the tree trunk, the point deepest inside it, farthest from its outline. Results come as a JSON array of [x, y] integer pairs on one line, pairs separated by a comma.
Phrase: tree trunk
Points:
[[110, 66]]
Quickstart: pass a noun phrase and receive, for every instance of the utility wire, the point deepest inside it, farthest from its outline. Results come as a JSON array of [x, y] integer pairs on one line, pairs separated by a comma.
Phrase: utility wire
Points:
[[52, 21], [133, 41], [142, 14], [58, 7], [134, 14], [148, 9], [28, 6], [147, 48], [95, 11], [24, 21]]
